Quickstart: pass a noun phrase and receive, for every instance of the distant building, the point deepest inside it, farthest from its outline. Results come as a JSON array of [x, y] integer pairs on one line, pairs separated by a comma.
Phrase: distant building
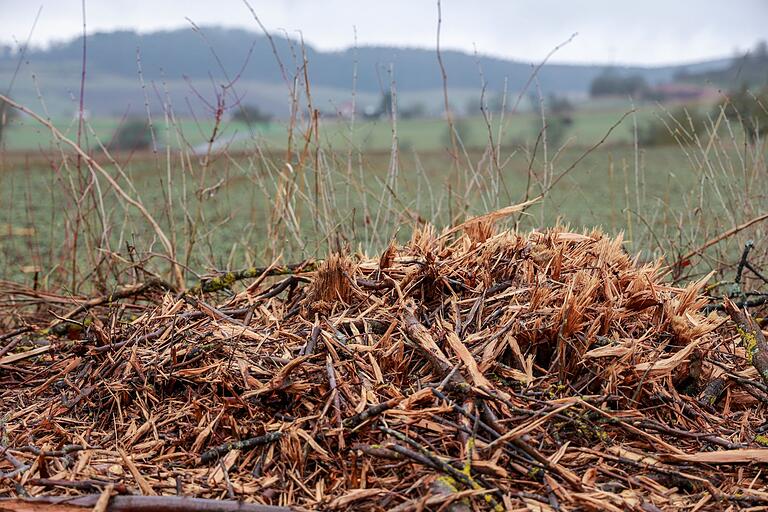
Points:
[[682, 92]]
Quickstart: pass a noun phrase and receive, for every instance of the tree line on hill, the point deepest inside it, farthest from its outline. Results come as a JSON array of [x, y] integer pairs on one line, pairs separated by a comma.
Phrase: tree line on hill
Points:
[[751, 69]]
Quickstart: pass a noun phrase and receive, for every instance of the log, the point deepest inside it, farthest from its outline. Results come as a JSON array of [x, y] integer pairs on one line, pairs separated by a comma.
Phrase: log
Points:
[[132, 504]]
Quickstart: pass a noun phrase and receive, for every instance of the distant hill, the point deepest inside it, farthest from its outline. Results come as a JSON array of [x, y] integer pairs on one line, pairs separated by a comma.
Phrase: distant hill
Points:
[[179, 67], [750, 69]]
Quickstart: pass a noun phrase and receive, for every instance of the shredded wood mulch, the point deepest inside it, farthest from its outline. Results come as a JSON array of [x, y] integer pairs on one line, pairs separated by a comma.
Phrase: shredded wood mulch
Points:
[[480, 372]]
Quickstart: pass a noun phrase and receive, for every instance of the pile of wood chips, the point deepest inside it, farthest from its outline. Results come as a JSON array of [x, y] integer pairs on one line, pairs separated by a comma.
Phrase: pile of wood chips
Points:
[[486, 371]]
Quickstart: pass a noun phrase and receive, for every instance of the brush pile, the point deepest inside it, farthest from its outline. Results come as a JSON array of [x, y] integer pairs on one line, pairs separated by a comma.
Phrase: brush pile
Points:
[[488, 371]]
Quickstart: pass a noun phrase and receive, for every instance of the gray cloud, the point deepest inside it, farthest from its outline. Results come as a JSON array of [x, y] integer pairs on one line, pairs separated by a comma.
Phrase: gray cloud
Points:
[[610, 31]]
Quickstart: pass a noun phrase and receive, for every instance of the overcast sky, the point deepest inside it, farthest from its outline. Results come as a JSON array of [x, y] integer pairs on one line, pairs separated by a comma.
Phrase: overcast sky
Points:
[[609, 31]]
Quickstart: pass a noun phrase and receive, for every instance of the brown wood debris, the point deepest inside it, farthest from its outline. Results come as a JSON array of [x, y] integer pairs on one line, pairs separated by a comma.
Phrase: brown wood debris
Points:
[[487, 371]]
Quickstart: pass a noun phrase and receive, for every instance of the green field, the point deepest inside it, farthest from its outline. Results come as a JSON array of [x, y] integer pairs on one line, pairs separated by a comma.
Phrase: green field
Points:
[[228, 211], [24, 134]]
